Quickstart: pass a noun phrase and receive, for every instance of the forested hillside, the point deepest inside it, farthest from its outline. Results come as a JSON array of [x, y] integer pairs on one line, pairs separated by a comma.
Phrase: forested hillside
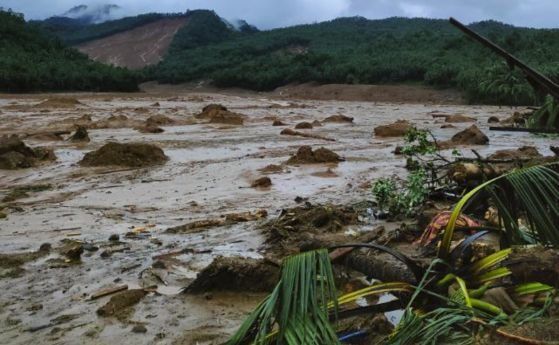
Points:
[[33, 61], [357, 50]]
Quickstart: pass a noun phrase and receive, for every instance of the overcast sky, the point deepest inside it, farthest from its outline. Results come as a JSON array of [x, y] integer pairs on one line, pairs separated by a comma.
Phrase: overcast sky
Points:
[[278, 13]]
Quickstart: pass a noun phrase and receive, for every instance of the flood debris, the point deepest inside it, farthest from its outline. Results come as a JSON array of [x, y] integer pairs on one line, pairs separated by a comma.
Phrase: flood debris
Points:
[[303, 125], [108, 291], [262, 182], [227, 219], [11, 264], [301, 223], [21, 192], [339, 119], [306, 155], [120, 305], [396, 129], [15, 154], [236, 274], [217, 113], [125, 154], [80, 135], [289, 131]]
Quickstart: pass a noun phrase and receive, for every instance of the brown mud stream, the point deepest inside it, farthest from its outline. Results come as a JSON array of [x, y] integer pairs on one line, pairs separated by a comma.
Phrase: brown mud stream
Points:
[[209, 173]]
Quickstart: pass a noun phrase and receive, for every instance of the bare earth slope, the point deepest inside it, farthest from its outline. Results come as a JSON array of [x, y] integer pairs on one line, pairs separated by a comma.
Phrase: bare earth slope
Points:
[[136, 48]]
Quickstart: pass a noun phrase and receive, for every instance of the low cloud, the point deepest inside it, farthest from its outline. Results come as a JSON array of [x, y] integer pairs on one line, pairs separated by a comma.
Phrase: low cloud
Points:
[[268, 14]]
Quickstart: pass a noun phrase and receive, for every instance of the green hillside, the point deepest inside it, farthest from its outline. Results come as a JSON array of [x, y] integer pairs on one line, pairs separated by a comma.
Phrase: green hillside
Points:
[[33, 61], [357, 50]]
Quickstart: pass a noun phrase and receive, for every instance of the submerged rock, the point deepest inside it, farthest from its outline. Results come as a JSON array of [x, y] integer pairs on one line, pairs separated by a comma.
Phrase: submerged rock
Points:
[[262, 182], [524, 152], [131, 155]]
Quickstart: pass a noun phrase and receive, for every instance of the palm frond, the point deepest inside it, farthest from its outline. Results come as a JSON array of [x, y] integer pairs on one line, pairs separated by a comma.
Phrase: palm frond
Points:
[[530, 193], [296, 312]]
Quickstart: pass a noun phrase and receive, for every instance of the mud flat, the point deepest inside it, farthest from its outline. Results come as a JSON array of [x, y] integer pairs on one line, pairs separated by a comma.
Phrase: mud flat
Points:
[[107, 225]]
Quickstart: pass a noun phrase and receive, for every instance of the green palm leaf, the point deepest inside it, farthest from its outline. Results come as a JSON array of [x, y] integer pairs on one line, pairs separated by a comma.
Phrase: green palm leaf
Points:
[[529, 193]]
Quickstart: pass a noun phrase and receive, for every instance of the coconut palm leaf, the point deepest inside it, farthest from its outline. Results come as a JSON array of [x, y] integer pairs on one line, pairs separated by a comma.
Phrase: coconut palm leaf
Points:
[[529, 193], [298, 306]]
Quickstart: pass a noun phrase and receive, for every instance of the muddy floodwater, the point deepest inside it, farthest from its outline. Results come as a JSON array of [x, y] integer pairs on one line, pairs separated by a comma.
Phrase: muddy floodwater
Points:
[[209, 174]]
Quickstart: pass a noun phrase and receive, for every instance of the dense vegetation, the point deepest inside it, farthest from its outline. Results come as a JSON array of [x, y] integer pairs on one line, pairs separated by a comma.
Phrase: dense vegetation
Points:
[[357, 50], [32, 61], [76, 31]]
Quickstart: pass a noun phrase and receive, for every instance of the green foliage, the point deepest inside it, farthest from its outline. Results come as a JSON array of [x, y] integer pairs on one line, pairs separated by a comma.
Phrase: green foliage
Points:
[[204, 27], [547, 116], [30, 61], [393, 50], [502, 85], [401, 199]]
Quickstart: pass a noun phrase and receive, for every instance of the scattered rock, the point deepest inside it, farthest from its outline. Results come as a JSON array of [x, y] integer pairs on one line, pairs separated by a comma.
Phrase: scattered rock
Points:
[[128, 154], [236, 274], [72, 250], [303, 125], [120, 304], [271, 169], [306, 155], [262, 182], [448, 126], [278, 123], [14, 154], [80, 135], [156, 104], [493, 119], [555, 149], [153, 129], [470, 136], [396, 129], [139, 328], [114, 238], [339, 118], [524, 152], [316, 123], [217, 113]]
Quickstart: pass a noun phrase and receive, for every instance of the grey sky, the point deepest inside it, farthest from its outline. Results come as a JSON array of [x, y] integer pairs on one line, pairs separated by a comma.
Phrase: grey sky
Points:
[[277, 13]]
